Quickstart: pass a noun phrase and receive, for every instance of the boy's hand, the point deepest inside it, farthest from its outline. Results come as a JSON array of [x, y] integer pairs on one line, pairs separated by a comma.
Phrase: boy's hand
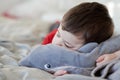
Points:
[[105, 58], [60, 72]]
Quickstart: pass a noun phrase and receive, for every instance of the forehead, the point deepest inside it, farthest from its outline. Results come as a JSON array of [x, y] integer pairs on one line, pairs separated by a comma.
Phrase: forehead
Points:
[[69, 37]]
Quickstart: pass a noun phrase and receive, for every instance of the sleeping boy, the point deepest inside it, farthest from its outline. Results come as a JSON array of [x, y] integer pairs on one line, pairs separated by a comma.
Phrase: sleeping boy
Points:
[[74, 47]]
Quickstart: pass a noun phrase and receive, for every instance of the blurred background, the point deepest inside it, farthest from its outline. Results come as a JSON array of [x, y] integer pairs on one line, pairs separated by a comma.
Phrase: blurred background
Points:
[[28, 21]]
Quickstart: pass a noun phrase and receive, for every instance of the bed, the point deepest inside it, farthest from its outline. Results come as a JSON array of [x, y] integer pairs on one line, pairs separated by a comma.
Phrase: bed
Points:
[[17, 37]]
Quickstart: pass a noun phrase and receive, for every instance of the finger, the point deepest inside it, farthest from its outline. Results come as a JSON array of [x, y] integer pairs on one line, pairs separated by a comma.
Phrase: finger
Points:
[[60, 73], [100, 59], [102, 62]]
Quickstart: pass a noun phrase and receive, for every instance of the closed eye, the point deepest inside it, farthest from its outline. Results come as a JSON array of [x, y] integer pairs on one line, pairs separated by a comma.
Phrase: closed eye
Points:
[[67, 45]]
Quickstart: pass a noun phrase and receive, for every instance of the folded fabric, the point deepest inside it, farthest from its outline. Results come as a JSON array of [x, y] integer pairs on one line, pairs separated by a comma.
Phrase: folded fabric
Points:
[[109, 70], [52, 57]]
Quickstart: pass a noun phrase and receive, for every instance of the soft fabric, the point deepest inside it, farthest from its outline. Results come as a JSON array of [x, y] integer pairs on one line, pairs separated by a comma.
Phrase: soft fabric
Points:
[[23, 73], [77, 77], [10, 54], [52, 57], [109, 70]]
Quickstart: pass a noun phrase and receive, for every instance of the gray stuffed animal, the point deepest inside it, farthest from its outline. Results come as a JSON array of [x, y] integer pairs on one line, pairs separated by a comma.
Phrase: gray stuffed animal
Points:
[[52, 57]]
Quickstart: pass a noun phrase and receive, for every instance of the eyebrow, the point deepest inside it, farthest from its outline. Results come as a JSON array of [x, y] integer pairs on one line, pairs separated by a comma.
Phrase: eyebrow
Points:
[[69, 44]]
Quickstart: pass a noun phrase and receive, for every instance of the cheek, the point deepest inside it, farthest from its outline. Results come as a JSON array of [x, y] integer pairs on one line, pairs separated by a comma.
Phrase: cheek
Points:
[[57, 41], [54, 40]]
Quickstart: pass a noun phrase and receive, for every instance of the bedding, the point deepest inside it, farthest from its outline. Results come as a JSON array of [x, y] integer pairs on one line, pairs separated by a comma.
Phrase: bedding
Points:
[[10, 70], [77, 77], [109, 70]]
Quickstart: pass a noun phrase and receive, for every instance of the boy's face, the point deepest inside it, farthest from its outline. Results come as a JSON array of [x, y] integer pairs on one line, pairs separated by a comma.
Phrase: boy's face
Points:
[[68, 40]]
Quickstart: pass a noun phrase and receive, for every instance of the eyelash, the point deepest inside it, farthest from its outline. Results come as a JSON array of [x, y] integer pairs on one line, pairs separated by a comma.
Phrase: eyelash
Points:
[[67, 46], [58, 35]]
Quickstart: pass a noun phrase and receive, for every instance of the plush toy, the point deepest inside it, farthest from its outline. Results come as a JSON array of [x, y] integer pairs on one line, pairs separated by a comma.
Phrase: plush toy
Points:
[[52, 57]]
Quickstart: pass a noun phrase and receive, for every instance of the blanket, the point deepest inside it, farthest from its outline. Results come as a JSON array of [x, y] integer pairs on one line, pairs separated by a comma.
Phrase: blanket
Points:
[[10, 53], [52, 57], [77, 77], [109, 70]]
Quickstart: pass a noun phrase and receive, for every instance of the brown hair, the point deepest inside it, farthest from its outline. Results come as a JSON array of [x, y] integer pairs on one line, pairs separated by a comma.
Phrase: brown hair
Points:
[[92, 20]]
